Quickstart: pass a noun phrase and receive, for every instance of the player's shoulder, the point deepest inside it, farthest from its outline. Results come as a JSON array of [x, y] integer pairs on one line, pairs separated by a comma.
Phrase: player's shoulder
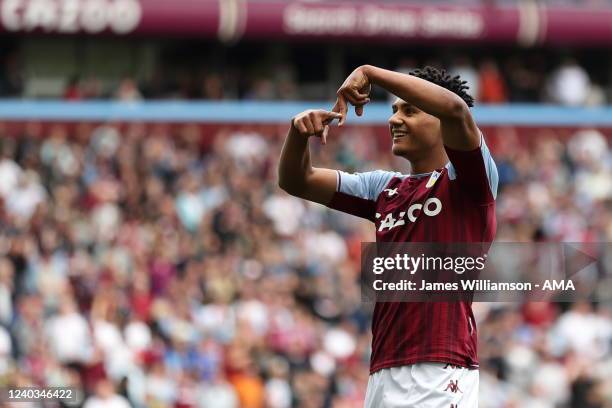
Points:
[[367, 185], [474, 166]]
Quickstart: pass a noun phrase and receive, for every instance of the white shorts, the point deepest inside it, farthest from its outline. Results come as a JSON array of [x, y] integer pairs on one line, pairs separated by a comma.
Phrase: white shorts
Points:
[[423, 385]]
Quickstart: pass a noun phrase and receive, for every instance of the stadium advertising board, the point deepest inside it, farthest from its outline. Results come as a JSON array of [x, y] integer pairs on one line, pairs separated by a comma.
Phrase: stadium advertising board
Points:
[[118, 17], [376, 20], [71, 16], [229, 20]]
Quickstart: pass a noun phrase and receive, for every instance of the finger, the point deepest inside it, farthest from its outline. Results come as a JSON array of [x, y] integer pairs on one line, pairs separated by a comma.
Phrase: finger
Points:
[[301, 127], [336, 108], [359, 108], [353, 94], [366, 89], [358, 95], [356, 101], [316, 118], [317, 124], [341, 108], [309, 126], [324, 134], [330, 117]]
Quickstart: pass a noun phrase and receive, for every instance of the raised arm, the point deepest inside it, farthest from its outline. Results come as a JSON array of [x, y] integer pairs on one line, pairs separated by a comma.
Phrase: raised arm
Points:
[[459, 130], [295, 172]]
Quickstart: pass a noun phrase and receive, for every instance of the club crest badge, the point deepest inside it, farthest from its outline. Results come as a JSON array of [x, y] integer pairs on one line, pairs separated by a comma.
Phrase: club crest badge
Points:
[[432, 179]]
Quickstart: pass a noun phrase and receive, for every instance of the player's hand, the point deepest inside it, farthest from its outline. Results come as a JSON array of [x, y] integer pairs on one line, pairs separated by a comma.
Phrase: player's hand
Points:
[[314, 122], [356, 91]]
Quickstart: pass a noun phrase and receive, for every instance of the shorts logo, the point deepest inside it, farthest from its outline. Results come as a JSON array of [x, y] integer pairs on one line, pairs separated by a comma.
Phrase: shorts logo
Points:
[[453, 386]]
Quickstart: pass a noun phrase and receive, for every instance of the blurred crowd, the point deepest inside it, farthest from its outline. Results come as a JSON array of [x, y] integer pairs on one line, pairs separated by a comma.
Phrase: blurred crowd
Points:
[[241, 74], [491, 81], [148, 269]]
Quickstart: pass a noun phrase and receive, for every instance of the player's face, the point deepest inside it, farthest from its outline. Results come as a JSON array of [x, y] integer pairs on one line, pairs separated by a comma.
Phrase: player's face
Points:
[[413, 131]]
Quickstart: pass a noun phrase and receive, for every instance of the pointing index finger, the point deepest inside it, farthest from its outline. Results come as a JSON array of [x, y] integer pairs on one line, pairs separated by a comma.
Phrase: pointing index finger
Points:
[[341, 108], [331, 115]]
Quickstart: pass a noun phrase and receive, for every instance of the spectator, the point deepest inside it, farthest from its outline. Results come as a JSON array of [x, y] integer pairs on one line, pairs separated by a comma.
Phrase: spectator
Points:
[[464, 68], [128, 91], [491, 84], [5, 352], [69, 335], [570, 84], [73, 91], [106, 397]]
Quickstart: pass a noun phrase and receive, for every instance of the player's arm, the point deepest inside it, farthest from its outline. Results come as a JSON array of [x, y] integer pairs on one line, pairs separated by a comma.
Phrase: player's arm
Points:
[[296, 175], [459, 131]]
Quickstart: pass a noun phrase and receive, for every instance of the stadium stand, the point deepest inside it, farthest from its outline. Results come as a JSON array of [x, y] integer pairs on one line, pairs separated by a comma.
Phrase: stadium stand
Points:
[[181, 275]]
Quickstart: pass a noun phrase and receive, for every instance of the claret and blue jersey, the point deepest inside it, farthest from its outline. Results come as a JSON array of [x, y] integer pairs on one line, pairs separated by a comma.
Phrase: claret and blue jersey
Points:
[[455, 203]]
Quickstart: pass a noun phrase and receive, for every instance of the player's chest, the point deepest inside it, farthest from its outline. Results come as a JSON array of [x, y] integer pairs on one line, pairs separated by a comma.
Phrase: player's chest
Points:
[[407, 203]]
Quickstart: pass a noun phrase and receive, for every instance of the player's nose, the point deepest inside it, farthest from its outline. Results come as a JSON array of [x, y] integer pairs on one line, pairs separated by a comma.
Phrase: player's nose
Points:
[[394, 120]]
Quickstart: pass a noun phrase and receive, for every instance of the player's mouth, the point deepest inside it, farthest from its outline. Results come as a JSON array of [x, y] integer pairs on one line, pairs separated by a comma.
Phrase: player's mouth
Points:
[[398, 134]]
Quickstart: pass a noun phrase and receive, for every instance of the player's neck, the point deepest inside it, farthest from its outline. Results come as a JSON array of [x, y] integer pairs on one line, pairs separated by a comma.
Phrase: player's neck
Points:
[[428, 164]]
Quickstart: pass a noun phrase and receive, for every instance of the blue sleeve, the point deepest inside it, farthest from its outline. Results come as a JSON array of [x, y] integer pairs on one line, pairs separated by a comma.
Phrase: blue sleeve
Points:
[[475, 170], [356, 194], [364, 185], [490, 167]]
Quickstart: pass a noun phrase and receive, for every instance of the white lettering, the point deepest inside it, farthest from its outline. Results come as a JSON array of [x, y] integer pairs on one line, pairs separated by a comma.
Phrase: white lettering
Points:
[[389, 263], [400, 220], [10, 14], [415, 264], [388, 222], [378, 268], [40, 14], [93, 16], [431, 208], [69, 16], [412, 209], [436, 211], [307, 20], [372, 20], [558, 285], [436, 23], [377, 283], [125, 16], [376, 21]]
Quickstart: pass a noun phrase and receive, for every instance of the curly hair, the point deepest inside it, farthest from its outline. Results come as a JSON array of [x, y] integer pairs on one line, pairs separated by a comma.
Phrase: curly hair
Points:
[[441, 78]]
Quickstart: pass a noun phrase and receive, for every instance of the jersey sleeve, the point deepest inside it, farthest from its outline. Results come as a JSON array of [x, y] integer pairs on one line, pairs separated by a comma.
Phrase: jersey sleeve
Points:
[[356, 193], [476, 172]]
